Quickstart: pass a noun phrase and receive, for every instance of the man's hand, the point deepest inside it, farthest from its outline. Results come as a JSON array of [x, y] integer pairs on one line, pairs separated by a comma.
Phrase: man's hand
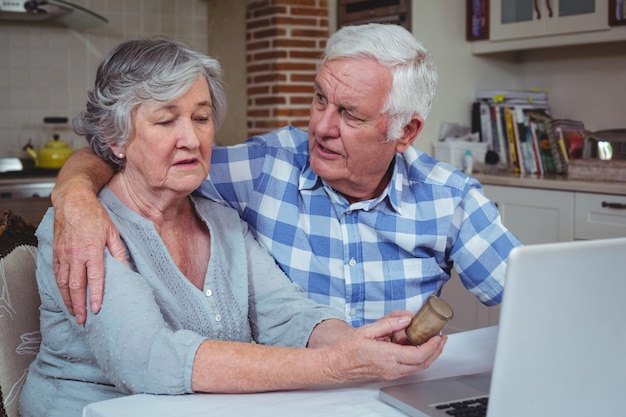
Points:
[[81, 231], [82, 228]]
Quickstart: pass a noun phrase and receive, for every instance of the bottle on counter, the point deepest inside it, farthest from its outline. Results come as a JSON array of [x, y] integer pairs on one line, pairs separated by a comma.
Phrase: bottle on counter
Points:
[[468, 162]]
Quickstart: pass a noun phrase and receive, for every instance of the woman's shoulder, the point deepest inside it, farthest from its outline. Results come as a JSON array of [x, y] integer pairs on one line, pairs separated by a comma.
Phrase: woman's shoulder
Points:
[[215, 211]]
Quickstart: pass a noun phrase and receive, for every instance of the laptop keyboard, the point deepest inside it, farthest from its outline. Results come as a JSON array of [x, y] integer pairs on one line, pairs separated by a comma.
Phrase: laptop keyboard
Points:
[[476, 407]]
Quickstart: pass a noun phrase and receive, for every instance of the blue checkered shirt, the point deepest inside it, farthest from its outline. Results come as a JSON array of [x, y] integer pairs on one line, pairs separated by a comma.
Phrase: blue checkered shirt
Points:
[[370, 257]]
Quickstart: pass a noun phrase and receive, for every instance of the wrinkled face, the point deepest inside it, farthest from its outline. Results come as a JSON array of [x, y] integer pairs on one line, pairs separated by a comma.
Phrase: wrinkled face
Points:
[[171, 143], [347, 132]]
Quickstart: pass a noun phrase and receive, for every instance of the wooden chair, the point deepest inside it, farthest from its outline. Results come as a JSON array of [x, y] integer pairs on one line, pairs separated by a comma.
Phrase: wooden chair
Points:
[[19, 308]]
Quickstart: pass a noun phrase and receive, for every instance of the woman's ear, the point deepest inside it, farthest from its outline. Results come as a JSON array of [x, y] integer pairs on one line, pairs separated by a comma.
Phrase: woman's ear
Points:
[[409, 133], [117, 151]]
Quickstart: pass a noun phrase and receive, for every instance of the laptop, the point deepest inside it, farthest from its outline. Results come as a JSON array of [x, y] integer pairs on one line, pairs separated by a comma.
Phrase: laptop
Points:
[[561, 344]]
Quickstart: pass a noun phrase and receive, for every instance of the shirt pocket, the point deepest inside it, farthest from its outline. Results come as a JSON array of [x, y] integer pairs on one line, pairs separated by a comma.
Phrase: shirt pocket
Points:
[[411, 280]]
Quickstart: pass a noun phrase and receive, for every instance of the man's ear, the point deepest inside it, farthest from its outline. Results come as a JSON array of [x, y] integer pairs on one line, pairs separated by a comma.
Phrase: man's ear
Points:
[[409, 133]]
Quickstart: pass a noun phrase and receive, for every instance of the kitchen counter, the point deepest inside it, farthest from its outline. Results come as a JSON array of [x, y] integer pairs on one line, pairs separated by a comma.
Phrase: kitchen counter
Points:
[[551, 182]]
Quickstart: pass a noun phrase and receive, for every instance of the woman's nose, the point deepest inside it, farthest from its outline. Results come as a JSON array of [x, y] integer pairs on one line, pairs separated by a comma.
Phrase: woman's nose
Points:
[[188, 135]]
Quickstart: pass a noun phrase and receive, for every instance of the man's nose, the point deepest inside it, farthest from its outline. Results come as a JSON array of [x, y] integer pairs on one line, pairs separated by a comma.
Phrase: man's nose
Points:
[[327, 122]]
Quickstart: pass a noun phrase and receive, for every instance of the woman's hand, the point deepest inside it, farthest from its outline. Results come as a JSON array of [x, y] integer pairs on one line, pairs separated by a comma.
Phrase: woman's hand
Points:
[[366, 354]]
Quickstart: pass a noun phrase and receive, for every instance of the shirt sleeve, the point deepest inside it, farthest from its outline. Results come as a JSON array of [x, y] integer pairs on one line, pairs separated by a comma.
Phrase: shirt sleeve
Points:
[[131, 340], [482, 247], [234, 172]]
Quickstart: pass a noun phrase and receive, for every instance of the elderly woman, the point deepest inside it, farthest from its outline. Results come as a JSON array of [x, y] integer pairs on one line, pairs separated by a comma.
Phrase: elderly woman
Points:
[[197, 289]]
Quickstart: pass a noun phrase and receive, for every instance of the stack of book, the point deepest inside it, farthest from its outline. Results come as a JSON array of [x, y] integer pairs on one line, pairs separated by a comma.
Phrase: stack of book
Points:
[[518, 127]]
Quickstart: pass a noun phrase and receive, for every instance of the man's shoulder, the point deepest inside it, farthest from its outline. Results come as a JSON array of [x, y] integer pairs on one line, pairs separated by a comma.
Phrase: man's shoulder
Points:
[[420, 167], [287, 139]]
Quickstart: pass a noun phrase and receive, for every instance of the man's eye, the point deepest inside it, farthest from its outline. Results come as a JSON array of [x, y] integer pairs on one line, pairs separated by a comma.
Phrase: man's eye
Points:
[[349, 116], [320, 98], [164, 123]]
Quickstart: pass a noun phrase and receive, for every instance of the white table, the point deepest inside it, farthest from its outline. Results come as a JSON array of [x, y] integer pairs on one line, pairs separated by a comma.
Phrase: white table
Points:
[[466, 352]]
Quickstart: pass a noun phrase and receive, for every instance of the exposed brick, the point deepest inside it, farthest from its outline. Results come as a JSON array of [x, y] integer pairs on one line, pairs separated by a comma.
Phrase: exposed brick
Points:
[[269, 78], [292, 89], [301, 100], [309, 11], [311, 55], [295, 21], [294, 43], [268, 11], [297, 2], [268, 100], [292, 112], [268, 33], [303, 78], [261, 113], [262, 67], [256, 90], [285, 40], [261, 23], [255, 45], [296, 66], [268, 124], [301, 123], [271, 54], [309, 33]]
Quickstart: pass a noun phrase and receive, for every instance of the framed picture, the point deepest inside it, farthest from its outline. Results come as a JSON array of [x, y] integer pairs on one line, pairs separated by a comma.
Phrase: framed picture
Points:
[[617, 14], [477, 20]]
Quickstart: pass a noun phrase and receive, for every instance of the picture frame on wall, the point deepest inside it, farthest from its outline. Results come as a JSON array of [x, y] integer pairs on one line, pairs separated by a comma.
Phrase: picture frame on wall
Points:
[[617, 12], [477, 20]]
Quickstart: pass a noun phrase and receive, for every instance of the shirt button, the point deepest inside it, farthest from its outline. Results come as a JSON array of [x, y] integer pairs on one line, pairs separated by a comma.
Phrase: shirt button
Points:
[[348, 212], [353, 312], [352, 262], [208, 293], [218, 317]]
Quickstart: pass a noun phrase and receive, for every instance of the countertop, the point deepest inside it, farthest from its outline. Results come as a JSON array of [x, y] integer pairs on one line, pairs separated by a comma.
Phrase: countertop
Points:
[[551, 182]]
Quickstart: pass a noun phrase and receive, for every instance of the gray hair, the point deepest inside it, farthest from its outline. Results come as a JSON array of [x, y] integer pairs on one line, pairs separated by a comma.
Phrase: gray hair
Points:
[[412, 67], [142, 71]]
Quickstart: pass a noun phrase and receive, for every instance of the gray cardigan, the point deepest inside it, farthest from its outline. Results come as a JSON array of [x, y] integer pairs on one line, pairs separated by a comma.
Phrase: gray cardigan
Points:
[[153, 319]]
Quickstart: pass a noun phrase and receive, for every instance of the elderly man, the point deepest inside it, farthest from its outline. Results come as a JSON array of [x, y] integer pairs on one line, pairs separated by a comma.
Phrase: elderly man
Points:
[[352, 212]]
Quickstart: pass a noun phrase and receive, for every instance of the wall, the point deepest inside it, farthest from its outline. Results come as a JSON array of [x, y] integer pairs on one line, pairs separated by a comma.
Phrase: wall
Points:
[[226, 28], [47, 70], [585, 82]]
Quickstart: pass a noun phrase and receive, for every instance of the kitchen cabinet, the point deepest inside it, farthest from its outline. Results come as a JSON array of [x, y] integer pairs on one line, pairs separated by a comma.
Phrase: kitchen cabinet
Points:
[[514, 19], [535, 216], [514, 26], [538, 215], [599, 216]]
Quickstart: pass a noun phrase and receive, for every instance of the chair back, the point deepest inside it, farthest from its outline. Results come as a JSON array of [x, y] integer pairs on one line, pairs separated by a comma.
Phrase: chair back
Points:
[[19, 308]]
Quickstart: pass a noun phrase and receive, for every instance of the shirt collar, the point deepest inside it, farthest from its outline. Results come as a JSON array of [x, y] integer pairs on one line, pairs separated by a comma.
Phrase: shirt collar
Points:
[[309, 180]]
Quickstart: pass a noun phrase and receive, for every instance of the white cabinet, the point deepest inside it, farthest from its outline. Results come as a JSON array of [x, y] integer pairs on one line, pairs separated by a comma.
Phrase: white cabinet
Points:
[[533, 215], [599, 216], [514, 19]]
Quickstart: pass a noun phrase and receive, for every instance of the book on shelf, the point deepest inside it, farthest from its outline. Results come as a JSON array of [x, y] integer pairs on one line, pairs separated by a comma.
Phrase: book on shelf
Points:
[[534, 98], [500, 116], [538, 123]]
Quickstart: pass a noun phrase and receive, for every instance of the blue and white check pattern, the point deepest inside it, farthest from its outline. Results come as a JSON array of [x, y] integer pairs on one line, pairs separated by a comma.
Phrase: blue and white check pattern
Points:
[[371, 257]]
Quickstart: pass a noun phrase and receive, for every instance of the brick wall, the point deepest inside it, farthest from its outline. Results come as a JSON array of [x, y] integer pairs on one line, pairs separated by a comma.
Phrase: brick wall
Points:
[[284, 42]]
